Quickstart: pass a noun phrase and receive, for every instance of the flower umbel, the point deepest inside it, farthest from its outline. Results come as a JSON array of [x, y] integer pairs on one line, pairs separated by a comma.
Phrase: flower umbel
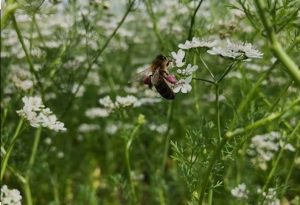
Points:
[[37, 115], [10, 196], [235, 50], [189, 70], [240, 191], [179, 56], [183, 85]]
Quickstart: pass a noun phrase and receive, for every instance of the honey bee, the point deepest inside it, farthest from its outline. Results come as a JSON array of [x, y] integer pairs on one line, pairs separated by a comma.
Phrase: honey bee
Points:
[[159, 77]]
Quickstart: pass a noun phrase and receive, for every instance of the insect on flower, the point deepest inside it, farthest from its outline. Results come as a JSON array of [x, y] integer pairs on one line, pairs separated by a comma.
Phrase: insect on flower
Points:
[[157, 75]]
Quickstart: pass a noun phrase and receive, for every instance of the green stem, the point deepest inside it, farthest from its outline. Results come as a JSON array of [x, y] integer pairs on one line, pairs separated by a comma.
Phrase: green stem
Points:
[[7, 12], [127, 160], [207, 68], [33, 152], [28, 58], [228, 69], [9, 150], [206, 81], [276, 47], [190, 34], [218, 111], [274, 167], [260, 122], [154, 24], [95, 58], [212, 161], [167, 136], [27, 191]]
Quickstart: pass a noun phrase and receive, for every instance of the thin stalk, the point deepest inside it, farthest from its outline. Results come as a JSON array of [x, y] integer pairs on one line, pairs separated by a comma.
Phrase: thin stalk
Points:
[[261, 122], [95, 58], [228, 69], [218, 111], [3, 118], [27, 56], [167, 136], [276, 47], [154, 24], [127, 160], [210, 196], [212, 161], [207, 68], [27, 191], [286, 181], [190, 33], [206, 81], [9, 150], [33, 152], [274, 167]]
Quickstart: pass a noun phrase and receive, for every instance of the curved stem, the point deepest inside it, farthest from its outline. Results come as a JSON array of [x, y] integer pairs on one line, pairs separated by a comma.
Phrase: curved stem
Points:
[[204, 80], [27, 56], [95, 58], [33, 152], [212, 161], [193, 20], [276, 47], [9, 150], [127, 160]]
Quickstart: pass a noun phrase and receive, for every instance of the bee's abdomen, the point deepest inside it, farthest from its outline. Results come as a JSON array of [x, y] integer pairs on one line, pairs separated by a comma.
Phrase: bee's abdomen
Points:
[[164, 90]]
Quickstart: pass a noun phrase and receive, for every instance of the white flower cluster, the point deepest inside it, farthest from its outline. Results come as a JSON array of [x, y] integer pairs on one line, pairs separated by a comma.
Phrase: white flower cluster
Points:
[[183, 85], [38, 115], [227, 50], [240, 191], [10, 196], [189, 70], [270, 197], [123, 101], [263, 148], [85, 128], [97, 112], [158, 128], [235, 50], [197, 43]]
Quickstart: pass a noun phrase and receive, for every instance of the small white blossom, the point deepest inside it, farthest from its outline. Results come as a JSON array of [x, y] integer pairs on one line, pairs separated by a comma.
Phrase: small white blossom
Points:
[[10, 196], [271, 197], [179, 56], [97, 112], [111, 129], [234, 50], [158, 128], [240, 191], [289, 147], [48, 141], [37, 115], [183, 85], [125, 101], [22, 84], [107, 102], [197, 43], [85, 128], [189, 70], [60, 155], [146, 101], [263, 147]]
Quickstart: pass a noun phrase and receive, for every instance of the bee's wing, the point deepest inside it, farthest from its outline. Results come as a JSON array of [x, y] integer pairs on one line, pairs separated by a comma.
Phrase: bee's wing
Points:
[[156, 77], [140, 76]]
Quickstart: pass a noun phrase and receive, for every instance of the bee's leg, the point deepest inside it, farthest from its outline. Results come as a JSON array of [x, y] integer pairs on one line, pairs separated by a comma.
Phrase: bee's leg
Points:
[[150, 83]]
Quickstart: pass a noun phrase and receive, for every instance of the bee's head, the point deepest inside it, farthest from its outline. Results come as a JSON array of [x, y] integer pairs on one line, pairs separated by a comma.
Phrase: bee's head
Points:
[[160, 59]]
